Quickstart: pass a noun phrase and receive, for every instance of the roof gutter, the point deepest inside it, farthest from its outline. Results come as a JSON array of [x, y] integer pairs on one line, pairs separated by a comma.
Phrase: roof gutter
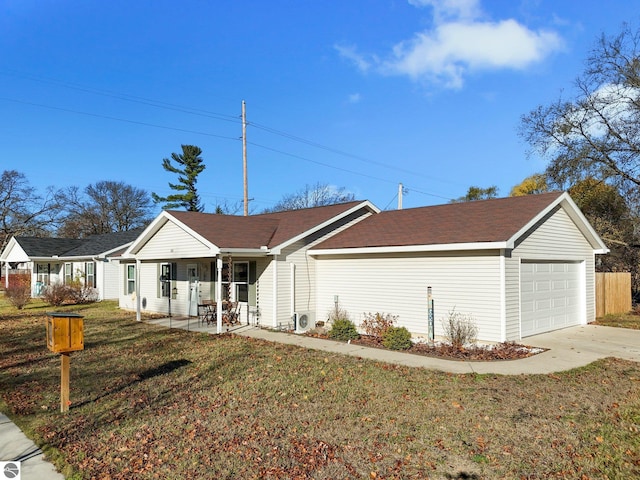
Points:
[[446, 247]]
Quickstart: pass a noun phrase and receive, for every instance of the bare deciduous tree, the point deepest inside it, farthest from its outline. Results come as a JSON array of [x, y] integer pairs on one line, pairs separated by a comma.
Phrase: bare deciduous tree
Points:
[[318, 195], [22, 210]]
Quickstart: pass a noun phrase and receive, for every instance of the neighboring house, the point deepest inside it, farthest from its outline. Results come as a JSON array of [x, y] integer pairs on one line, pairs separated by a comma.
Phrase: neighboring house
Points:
[[519, 266], [61, 260], [185, 258]]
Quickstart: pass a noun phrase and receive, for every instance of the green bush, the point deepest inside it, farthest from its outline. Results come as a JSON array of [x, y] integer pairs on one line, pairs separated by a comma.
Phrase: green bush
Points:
[[343, 329], [397, 338]]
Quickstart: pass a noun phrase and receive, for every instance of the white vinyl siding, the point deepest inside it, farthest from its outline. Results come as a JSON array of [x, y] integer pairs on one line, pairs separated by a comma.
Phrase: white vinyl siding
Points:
[[173, 242], [464, 282], [512, 299]]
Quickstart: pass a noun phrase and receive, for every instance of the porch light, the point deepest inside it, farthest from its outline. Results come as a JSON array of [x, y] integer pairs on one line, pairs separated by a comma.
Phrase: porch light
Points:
[[174, 293]]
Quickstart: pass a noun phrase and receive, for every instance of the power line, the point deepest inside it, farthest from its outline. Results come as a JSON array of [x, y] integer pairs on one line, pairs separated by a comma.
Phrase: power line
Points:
[[204, 113], [108, 117], [214, 115]]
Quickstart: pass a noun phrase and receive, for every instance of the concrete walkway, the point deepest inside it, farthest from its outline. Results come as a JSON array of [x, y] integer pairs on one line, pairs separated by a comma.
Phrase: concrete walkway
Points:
[[566, 349], [16, 447]]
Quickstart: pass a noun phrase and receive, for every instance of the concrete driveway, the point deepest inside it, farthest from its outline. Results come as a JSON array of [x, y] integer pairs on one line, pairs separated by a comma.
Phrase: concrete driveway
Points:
[[581, 345]]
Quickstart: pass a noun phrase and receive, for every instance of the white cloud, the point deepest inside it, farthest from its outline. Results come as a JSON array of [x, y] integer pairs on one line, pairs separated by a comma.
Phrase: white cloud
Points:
[[355, 98], [350, 53], [461, 41]]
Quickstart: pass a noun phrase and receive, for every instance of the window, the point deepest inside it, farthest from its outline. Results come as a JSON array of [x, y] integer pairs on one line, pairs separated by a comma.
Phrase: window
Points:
[[131, 279], [241, 281], [68, 273], [90, 274], [42, 273]]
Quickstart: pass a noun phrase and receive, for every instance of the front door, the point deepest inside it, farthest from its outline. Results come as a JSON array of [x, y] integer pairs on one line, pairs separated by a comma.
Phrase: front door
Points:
[[194, 289]]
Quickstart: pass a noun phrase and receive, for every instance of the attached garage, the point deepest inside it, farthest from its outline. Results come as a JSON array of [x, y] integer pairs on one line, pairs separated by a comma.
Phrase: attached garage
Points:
[[551, 296], [518, 266]]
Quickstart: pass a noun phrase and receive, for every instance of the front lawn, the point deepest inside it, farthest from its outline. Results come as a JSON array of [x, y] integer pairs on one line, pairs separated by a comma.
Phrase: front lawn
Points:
[[150, 403]]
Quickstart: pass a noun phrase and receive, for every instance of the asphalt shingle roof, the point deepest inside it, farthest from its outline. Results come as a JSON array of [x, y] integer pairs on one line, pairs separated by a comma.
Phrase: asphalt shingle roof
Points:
[[255, 231], [36, 247], [470, 222]]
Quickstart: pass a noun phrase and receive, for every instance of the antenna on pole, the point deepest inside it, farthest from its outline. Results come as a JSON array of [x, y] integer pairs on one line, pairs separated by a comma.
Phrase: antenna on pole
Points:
[[244, 158]]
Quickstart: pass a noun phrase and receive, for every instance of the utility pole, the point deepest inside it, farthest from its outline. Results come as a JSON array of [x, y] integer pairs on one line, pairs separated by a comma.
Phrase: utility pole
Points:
[[244, 159], [400, 196]]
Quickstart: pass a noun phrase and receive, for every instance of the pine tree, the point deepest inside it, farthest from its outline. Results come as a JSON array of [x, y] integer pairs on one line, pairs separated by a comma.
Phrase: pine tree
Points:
[[188, 166]]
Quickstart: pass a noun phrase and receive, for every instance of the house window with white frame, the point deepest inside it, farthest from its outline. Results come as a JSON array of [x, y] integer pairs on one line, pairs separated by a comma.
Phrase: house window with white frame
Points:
[[241, 281], [90, 274], [68, 273], [42, 273], [131, 279]]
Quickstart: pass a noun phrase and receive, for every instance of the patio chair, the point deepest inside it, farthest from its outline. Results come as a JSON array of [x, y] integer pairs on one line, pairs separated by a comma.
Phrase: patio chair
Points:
[[232, 315], [207, 312]]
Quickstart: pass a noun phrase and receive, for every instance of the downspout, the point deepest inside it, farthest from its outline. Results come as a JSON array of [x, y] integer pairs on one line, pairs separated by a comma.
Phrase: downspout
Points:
[[503, 299], [292, 279], [138, 300]]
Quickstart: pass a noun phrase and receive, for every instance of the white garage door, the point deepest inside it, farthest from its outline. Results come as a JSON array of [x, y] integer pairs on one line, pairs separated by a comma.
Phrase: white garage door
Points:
[[550, 296]]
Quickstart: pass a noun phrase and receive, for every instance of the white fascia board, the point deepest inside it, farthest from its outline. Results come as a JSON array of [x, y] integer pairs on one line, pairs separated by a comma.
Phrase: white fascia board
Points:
[[575, 214], [246, 252], [278, 248], [446, 247]]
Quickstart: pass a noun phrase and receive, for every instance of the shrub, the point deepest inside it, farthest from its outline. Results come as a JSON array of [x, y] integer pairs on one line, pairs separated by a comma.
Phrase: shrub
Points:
[[397, 338], [337, 313], [343, 329], [77, 292], [377, 324], [55, 294], [460, 329], [19, 293]]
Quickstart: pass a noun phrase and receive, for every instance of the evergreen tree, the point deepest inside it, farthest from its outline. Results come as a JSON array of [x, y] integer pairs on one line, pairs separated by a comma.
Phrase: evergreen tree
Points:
[[188, 166]]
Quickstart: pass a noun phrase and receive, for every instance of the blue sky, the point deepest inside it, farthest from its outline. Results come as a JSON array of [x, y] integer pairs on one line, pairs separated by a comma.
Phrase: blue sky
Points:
[[360, 94]]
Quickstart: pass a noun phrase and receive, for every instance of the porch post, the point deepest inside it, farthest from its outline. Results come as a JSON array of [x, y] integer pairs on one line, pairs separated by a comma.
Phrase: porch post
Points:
[[138, 301], [219, 295], [6, 274], [275, 292]]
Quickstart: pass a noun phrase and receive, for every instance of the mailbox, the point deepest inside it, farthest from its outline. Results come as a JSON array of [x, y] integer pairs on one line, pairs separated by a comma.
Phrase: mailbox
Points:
[[65, 332]]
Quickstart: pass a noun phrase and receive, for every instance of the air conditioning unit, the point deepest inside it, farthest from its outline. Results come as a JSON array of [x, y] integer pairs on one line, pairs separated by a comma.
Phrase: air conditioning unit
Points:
[[303, 321]]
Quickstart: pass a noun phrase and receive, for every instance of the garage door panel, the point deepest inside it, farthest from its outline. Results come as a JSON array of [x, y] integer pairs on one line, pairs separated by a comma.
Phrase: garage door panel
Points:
[[550, 296]]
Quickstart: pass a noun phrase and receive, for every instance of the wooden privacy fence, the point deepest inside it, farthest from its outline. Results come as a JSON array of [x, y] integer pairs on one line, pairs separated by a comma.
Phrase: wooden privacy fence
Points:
[[613, 293]]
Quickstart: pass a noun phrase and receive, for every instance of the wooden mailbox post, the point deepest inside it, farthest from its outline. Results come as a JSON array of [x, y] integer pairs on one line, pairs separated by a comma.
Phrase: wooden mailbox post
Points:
[[65, 334]]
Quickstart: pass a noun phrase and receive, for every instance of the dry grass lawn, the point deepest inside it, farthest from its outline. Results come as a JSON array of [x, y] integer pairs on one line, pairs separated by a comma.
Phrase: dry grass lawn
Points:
[[149, 403]]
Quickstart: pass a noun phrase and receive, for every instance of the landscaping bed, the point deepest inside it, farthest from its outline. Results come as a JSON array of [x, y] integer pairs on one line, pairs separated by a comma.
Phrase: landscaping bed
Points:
[[479, 353]]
